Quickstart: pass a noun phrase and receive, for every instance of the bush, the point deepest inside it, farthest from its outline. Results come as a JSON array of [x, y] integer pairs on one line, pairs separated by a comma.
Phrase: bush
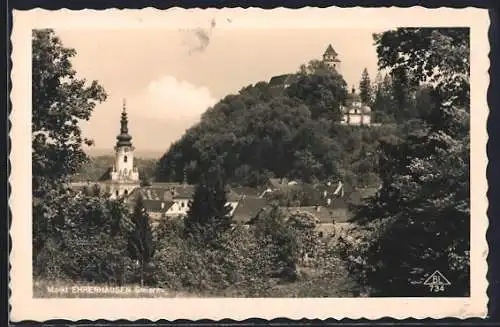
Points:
[[351, 243], [241, 265], [80, 238]]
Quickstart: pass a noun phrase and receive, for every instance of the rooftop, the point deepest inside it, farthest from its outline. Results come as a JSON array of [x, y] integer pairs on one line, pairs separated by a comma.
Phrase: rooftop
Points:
[[282, 80], [248, 208], [330, 51]]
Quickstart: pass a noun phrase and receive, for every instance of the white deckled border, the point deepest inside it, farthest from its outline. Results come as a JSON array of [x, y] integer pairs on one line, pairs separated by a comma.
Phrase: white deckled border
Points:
[[24, 307]]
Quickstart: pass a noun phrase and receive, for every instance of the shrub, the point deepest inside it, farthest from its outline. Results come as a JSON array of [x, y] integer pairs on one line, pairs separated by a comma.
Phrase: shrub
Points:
[[80, 238]]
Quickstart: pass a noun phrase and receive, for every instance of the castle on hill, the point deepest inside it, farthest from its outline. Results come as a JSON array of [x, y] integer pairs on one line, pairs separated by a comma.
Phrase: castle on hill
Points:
[[354, 112]]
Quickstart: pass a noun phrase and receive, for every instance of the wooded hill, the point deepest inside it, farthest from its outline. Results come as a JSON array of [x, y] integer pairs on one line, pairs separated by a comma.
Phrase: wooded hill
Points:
[[276, 131]]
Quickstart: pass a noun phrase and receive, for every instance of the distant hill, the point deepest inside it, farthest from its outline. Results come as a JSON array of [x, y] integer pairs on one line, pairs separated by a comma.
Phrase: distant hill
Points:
[[139, 153], [99, 166]]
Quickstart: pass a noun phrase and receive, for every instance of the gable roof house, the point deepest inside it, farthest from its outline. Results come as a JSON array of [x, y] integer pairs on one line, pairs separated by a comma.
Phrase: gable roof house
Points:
[[249, 208]]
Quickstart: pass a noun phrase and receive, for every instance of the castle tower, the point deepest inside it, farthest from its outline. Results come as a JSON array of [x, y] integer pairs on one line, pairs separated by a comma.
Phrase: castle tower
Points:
[[330, 59], [124, 174]]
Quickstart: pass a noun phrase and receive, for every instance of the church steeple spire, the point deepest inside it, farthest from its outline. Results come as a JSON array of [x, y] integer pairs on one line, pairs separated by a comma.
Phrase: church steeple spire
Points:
[[124, 138]]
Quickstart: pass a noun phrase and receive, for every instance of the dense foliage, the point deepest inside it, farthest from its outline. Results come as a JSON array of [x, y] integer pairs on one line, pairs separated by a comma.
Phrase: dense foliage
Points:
[[76, 237], [140, 239], [59, 102], [80, 238], [208, 214], [424, 200]]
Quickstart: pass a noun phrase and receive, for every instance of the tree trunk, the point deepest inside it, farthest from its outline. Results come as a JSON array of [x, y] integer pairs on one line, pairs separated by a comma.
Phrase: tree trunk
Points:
[[142, 275]]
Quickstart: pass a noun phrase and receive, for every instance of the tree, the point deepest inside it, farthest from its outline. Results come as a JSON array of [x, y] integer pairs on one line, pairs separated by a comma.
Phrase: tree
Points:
[[322, 90], [436, 55], [384, 105], [365, 88], [315, 67], [59, 102], [424, 198], [209, 212], [276, 235], [304, 225], [80, 238], [141, 245]]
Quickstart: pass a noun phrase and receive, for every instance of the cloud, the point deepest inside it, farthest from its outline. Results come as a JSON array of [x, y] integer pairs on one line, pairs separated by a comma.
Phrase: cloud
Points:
[[168, 99]]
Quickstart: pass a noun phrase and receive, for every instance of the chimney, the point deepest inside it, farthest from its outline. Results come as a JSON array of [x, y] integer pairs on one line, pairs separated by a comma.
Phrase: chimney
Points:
[[163, 205], [318, 208]]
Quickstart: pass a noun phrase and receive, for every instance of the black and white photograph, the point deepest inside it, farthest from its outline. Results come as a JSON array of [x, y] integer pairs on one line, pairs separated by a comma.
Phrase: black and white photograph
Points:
[[219, 161]]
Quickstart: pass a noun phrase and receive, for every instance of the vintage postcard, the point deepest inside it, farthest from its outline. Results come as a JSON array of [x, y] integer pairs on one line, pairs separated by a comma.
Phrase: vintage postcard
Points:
[[249, 163]]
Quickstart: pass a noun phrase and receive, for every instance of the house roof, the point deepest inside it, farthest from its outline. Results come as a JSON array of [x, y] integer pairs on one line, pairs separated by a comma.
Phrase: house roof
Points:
[[249, 191], [282, 79], [106, 175], [338, 203], [330, 51], [351, 195], [151, 197], [156, 206], [159, 193], [248, 208], [368, 192], [281, 183]]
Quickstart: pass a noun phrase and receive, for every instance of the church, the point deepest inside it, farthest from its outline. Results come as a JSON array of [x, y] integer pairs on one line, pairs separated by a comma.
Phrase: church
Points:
[[124, 176], [355, 113]]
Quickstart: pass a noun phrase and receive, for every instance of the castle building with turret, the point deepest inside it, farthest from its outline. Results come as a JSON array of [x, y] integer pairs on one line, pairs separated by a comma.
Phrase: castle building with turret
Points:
[[330, 58]]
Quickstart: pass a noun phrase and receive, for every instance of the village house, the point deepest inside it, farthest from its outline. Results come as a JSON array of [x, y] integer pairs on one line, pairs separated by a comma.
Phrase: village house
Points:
[[278, 184], [171, 199], [248, 209]]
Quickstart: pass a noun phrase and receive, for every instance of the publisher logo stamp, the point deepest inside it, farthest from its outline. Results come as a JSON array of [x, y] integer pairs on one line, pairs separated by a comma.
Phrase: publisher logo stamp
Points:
[[437, 282]]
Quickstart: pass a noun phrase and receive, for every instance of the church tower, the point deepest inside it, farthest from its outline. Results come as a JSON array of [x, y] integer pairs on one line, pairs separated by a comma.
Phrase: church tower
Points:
[[124, 175], [330, 59]]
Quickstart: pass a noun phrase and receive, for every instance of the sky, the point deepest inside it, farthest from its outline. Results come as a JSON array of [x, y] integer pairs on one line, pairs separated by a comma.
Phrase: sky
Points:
[[170, 77]]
